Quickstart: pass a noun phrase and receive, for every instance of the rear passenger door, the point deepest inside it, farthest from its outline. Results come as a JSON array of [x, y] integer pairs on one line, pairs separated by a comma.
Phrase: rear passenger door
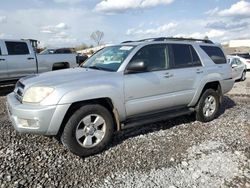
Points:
[[20, 60], [185, 71], [3, 64]]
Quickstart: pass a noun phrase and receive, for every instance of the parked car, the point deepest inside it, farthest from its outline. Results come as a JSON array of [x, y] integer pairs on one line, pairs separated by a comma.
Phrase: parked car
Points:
[[239, 69], [18, 59], [244, 57], [122, 86]]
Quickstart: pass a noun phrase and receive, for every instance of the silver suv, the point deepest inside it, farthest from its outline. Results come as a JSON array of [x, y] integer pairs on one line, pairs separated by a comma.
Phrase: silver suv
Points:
[[122, 86]]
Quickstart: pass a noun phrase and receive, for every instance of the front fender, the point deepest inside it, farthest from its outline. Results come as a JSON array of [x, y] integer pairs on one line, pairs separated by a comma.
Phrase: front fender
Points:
[[97, 92]]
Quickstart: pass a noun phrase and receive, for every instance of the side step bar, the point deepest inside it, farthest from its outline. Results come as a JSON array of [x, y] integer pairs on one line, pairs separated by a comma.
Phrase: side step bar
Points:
[[146, 119]]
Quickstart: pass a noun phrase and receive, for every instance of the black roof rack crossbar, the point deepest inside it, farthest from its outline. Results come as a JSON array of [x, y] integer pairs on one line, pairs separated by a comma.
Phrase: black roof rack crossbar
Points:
[[180, 39], [142, 40], [172, 38]]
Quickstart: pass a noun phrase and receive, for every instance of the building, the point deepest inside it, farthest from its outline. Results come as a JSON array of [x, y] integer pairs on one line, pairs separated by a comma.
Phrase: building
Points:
[[239, 43], [237, 46]]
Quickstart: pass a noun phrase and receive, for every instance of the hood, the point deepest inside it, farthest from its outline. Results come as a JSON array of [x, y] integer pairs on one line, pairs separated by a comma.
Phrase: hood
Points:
[[66, 76]]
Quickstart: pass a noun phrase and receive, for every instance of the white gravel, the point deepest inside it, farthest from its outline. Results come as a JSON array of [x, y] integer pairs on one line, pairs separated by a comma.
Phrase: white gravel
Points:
[[205, 165]]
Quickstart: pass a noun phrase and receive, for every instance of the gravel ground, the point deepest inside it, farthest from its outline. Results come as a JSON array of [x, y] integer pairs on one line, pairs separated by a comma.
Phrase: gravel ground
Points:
[[176, 153]]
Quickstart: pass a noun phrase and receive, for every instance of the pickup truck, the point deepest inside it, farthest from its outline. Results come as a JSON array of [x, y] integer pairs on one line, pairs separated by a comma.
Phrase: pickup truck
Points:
[[18, 59]]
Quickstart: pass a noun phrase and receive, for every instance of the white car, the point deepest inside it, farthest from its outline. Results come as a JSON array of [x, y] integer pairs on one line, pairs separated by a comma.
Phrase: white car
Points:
[[238, 68], [245, 58]]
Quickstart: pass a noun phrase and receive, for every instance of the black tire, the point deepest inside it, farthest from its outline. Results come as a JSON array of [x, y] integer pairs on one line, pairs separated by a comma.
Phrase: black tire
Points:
[[243, 76], [68, 136], [199, 107]]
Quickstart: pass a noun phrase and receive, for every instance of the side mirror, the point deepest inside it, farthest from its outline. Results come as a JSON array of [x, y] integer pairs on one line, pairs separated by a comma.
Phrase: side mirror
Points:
[[234, 65], [136, 66]]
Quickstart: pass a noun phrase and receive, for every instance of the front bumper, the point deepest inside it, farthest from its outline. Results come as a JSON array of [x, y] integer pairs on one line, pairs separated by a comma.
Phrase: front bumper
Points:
[[36, 119]]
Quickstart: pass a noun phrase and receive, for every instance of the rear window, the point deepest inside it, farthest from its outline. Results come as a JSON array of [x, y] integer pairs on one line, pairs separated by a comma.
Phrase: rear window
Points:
[[63, 51], [17, 48], [215, 53]]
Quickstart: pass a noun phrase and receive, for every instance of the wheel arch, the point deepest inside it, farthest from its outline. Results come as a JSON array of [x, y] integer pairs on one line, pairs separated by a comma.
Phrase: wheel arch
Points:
[[215, 85], [105, 102]]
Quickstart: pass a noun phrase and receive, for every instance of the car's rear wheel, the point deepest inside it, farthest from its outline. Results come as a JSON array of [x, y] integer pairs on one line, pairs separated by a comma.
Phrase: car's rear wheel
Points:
[[208, 106], [243, 76], [88, 131]]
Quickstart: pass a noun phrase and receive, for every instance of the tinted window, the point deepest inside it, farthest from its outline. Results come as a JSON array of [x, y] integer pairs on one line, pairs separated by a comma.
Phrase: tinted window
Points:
[[183, 55], [195, 58], [63, 51], [215, 53], [17, 48], [155, 56]]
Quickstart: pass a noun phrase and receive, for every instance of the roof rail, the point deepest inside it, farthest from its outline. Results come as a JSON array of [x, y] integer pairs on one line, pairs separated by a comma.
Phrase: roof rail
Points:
[[172, 38]]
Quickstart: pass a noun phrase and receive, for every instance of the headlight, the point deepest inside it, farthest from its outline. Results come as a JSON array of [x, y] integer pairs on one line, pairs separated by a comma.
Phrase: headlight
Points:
[[37, 94]]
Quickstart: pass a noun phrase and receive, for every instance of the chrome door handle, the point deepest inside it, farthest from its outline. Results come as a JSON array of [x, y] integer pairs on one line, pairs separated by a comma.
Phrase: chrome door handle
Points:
[[167, 75], [198, 71]]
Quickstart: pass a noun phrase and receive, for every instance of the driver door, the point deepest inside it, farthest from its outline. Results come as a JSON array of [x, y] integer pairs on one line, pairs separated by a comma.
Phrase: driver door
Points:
[[147, 91]]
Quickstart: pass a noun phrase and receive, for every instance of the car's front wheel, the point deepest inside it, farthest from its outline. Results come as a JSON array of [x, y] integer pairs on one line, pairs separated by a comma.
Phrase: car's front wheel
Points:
[[243, 76], [88, 131], [208, 106]]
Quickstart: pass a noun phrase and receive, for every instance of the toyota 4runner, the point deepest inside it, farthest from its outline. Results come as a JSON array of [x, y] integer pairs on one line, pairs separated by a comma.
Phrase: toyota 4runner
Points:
[[122, 86]]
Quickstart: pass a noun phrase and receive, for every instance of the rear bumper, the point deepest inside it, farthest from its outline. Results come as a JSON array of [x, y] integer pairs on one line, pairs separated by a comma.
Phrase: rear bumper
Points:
[[36, 119], [226, 85]]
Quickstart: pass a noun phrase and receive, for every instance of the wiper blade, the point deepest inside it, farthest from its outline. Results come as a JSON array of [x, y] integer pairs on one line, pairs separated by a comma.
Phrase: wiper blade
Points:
[[97, 68]]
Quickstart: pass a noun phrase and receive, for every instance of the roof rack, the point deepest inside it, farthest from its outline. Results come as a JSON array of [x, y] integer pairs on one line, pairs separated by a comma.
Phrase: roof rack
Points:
[[172, 38]]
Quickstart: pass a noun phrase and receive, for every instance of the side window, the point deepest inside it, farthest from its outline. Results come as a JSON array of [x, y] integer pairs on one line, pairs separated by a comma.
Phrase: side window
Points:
[[238, 62], [195, 57], [17, 48], [155, 56], [215, 53], [233, 61], [183, 55]]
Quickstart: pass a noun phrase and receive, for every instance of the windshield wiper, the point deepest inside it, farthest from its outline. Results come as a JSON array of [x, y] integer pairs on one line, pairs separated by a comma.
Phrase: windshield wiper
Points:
[[97, 68]]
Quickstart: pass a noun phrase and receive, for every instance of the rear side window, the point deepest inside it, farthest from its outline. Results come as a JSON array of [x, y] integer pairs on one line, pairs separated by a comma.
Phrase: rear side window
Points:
[[183, 55], [215, 53], [17, 48]]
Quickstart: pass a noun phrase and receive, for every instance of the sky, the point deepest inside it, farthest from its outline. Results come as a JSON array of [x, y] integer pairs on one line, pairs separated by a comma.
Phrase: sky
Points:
[[67, 23]]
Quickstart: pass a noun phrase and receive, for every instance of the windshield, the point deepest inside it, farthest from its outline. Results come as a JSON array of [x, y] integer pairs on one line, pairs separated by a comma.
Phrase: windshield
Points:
[[109, 58]]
